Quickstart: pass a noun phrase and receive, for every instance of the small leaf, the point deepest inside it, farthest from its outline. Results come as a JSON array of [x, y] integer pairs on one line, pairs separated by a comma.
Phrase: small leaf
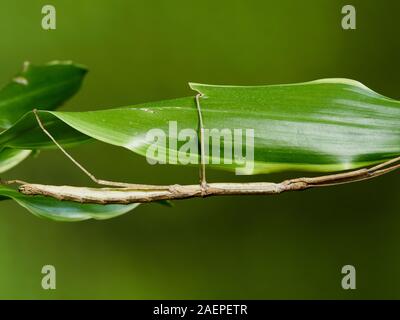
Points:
[[41, 87], [27, 133], [9, 158], [53, 209]]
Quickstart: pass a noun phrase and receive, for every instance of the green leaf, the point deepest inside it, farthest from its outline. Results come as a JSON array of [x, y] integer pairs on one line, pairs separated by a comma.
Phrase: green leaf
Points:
[[26, 133], [9, 158], [321, 126], [53, 209], [41, 87]]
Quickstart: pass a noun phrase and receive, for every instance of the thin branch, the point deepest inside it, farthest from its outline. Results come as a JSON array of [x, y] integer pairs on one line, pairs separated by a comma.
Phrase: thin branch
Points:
[[176, 192]]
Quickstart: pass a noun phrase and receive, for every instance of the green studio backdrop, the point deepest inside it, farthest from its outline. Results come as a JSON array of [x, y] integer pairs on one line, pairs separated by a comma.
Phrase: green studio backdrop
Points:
[[288, 246]]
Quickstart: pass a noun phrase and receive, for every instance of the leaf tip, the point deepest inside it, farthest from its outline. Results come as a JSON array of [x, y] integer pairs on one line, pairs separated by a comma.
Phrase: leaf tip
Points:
[[196, 86], [82, 67]]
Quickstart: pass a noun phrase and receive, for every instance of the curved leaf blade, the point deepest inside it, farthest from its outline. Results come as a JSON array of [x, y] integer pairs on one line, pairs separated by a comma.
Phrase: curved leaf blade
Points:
[[26, 133], [321, 126], [39, 86], [42, 87], [9, 158], [325, 125]]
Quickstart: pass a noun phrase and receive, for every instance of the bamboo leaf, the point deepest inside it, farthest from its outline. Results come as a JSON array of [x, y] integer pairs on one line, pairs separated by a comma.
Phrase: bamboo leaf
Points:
[[26, 134], [41, 87], [50, 208], [321, 126], [9, 158]]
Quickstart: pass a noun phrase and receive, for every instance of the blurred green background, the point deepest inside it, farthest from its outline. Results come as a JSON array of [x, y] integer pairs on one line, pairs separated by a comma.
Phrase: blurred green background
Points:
[[288, 246]]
